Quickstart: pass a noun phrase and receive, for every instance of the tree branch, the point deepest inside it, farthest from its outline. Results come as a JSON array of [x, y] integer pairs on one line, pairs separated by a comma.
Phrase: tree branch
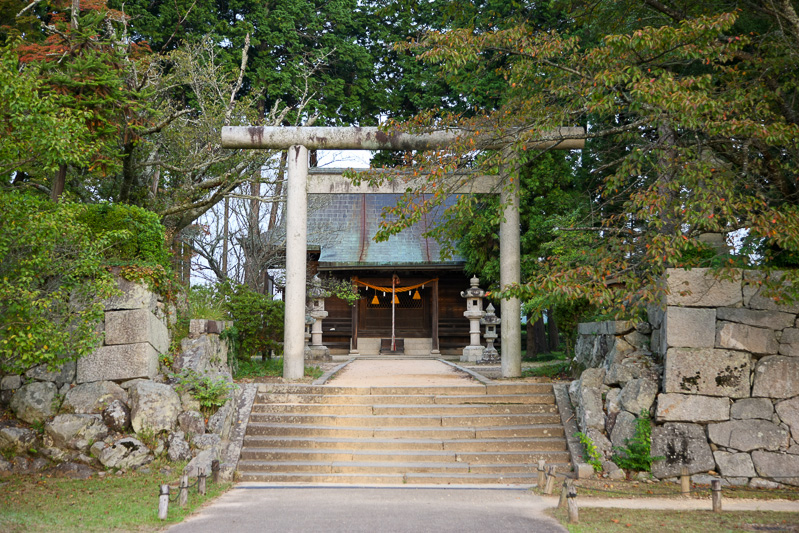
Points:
[[229, 110], [164, 123]]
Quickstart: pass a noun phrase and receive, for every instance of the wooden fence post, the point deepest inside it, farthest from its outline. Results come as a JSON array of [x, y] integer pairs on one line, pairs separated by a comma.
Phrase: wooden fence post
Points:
[[183, 499], [550, 480], [715, 488], [564, 493], [163, 502], [571, 497], [685, 481], [215, 470], [541, 473], [201, 481]]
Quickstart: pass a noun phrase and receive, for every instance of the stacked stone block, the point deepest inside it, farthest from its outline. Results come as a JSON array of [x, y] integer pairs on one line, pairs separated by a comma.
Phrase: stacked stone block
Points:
[[718, 367], [731, 372], [134, 338]]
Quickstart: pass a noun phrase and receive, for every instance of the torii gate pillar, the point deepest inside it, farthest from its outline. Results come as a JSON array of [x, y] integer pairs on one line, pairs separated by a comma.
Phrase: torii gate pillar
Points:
[[296, 259], [298, 140]]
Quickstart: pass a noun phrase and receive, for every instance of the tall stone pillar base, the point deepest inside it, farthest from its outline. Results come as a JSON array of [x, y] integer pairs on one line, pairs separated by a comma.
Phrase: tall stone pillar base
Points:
[[320, 353], [472, 354]]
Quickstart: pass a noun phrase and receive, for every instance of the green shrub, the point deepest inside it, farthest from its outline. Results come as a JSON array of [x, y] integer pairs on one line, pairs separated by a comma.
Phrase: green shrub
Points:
[[53, 278], [258, 322], [140, 236], [210, 393], [636, 454], [592, 455], [207, 301]]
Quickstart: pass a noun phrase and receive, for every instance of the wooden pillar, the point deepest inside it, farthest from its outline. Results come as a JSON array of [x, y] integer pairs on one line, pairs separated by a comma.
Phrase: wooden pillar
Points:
[[435, 318]]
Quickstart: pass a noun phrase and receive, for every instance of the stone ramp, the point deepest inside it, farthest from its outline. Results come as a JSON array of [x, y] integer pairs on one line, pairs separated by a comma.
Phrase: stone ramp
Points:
[[468, 433]]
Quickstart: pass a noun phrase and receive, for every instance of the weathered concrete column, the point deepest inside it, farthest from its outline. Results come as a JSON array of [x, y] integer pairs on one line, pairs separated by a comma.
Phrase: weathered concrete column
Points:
[[296, 251], [510, 267]]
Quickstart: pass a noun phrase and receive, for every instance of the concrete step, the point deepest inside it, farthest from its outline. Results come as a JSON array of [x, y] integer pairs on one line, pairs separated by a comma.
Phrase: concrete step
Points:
[[414, 456], [387, 421], [353, 467], [441, 409], [427, 390], [331, 455], [398, 399], [531, 445], [342, 443], [473, 409], [395, 479]]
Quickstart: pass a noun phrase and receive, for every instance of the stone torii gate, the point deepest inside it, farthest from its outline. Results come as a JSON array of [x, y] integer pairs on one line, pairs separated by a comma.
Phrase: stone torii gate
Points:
[[298, 140]]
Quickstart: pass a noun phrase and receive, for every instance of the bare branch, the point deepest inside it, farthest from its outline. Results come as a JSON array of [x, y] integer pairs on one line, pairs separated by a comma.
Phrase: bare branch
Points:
[[32, 4], [164, 123], [244, 50]]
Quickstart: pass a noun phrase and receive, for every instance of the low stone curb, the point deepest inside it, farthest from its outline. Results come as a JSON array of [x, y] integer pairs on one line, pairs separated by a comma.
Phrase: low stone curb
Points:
[[230, 457], [482, 379], [330, 373], [567, 418]]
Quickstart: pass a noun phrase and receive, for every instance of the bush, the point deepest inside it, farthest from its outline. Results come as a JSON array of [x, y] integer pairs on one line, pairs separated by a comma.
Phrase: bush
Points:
[[207, 301], [257, 320], [636, 454], [210, 393], [139, 234], [52, 281]]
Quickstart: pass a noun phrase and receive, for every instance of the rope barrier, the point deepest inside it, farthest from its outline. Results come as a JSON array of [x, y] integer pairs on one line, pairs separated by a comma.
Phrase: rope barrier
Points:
[[396, 289]]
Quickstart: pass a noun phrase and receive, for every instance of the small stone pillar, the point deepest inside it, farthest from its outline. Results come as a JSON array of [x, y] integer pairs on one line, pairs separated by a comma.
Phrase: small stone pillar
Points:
[[317, 294], [474, 312], [490, 321]]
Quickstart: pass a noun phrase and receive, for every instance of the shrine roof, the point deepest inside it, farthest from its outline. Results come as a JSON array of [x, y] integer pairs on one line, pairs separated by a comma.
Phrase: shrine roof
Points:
[[344, 226]]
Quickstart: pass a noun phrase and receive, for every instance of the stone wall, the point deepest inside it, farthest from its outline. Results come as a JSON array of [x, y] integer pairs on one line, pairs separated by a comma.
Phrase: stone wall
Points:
[[118, 408], [726, 397]]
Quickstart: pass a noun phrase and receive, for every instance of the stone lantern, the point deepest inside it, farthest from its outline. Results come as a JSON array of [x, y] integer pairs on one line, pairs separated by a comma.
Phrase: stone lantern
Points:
[[309, 321], [490, 321], [317, 296], [474, 312]]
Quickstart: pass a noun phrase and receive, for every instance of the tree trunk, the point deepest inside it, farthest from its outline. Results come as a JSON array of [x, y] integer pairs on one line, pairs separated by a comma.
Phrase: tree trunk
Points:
[[539, 331], [253, 245], [281, 174], [128, 176], [552, 331], [530, 340], [58, 182]]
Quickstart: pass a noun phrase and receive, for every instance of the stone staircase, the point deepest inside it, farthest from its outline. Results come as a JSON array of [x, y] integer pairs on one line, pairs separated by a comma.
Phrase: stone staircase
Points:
[[493, 433]]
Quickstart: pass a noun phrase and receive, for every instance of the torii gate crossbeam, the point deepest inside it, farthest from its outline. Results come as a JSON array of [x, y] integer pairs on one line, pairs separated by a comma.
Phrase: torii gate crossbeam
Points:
[[297, 140]]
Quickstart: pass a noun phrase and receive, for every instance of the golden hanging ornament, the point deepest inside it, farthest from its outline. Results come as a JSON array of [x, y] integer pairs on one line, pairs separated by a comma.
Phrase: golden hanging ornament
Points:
[[396, 300], [375, 301], [417, 296]]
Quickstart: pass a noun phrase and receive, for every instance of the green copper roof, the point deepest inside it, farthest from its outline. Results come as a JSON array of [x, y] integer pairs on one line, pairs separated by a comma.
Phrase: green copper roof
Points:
[[344, 226]]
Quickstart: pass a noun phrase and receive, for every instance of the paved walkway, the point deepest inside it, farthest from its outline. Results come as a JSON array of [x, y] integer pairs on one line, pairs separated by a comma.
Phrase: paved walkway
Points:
[[399, 373], [380, 509]]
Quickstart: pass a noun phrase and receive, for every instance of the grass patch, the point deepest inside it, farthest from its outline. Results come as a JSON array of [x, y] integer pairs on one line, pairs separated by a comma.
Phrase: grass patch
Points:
[[615, 520], [269, 368], [558, 370], [113, 503]]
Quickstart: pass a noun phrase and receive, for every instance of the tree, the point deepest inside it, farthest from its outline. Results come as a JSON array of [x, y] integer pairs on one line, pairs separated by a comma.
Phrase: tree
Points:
[[39, 131], [699, 116]]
